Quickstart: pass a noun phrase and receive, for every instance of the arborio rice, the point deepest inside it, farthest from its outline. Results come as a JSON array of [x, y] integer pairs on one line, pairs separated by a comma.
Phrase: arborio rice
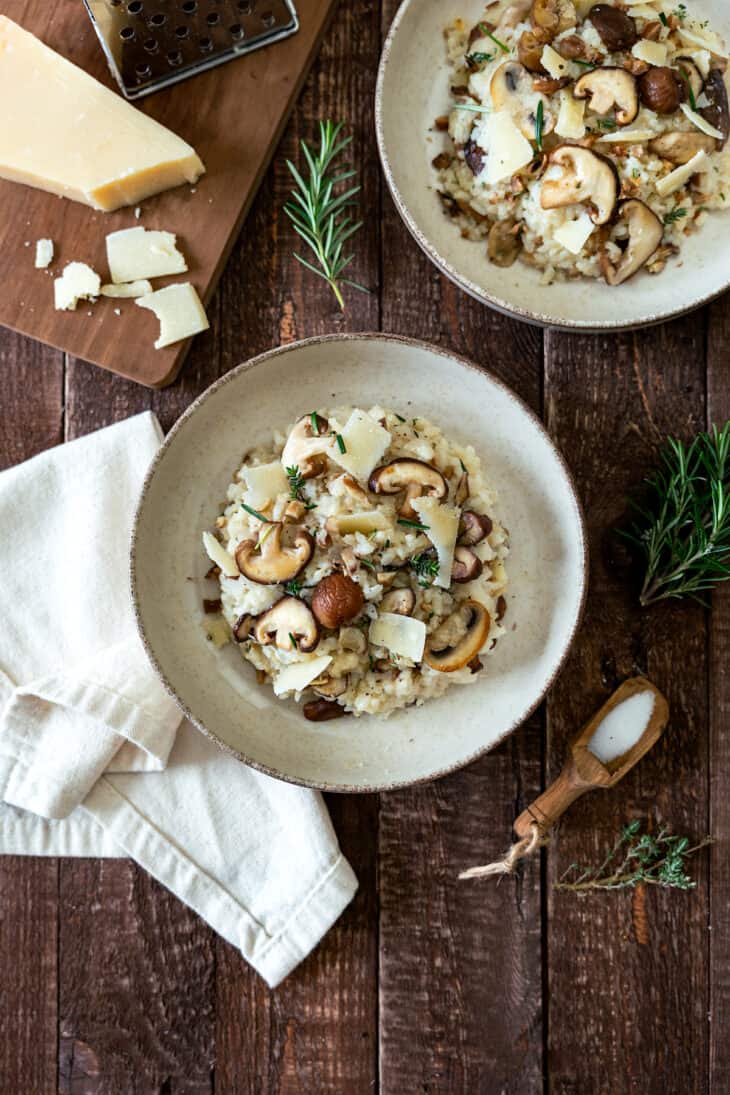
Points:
[[585, 139], [360, 562]]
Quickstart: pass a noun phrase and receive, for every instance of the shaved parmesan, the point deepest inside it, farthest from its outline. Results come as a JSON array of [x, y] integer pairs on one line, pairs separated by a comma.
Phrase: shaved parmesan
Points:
[[360, 522], [77, 282], [642, 11], [571, 116], [574, 234], [701, 123], [654, 53], [299, 675], [264, 483], [401, 635], [676, 179], [443, 528], [43, 254], [628, 136], [365, 441], [138, 253], [554, 64], [507, 149], [701, 36], [218, 555], [127, 290]]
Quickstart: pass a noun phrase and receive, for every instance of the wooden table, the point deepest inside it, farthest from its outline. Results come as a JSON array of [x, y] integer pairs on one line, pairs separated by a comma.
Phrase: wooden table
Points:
[[425, 985]]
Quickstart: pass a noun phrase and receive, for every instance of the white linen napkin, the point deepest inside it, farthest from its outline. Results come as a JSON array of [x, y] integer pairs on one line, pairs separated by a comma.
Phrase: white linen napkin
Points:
[[93, 758]]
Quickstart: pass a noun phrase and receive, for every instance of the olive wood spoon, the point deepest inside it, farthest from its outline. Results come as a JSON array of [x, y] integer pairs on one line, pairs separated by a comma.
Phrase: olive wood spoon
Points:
[[583, 771]]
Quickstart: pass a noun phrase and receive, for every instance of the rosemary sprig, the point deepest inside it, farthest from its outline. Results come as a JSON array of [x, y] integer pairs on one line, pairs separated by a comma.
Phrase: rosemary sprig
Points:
[[539, 122], [637, 857], [682, 528], [426, 567], [319, 215], [674, 215]]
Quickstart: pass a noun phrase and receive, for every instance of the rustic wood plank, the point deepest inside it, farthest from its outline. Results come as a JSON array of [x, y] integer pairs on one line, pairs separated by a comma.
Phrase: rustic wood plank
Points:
[[718, 411], [460, 963], [31, 416], [318, 1031], [622, 1013]]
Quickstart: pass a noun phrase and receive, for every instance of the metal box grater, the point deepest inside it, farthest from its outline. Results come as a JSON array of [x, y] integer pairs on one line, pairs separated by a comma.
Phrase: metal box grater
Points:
[[151, 44]]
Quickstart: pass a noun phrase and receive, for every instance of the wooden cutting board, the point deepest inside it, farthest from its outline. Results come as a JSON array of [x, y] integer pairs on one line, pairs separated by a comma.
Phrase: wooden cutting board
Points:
[[232, 115]]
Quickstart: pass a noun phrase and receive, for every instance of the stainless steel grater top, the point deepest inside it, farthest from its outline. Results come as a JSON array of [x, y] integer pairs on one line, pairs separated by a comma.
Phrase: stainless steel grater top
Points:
[[151, 44]]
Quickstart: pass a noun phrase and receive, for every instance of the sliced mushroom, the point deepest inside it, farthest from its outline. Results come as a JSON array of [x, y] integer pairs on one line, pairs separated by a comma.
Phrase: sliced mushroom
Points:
[[645, 235], [400, 601], [610, 89], [290, 624], [529, 51], [451, 656], [345, 485], [691, 75], [267, 561], [474, 527], [323, 710], [385, 578], [587, 177], [466, 566], [243, 628], [718, 112], [616, 29], [462, 489], [511, 90], [305, 447], [415, 477], [504, 243], [329, 687], [679, 147], [551, 17]]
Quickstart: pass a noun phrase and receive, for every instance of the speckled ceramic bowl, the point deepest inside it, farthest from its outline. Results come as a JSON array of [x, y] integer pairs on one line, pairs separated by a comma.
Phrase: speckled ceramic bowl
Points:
[[413, 90], [182, 496]]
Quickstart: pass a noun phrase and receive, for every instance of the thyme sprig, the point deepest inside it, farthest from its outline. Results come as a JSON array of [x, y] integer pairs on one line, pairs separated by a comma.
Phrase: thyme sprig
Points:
[[319, 215], [682, 528], [426, 568], [637, 857]]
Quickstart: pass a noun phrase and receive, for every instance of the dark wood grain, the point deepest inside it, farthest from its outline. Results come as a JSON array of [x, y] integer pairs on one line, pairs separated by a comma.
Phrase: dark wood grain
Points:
[[620, 1013], [718, 411], [233, 116], [31, 419]]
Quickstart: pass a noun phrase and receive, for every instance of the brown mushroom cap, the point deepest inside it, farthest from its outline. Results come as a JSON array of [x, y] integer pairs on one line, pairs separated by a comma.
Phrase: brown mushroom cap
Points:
[[323, 710], [274, 563], [718, 112], [449, 659], [645, 235], [289, 619], [587, 177], [615, 28], [415, 477], [336, 600], [474, 527], [466, 565], [305, 448], [610, 89], [679, 147], [399, 601]]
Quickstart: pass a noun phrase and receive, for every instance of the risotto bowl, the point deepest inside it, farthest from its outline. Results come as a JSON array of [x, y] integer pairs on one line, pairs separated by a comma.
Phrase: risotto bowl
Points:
[[415, 88], [185, 492]]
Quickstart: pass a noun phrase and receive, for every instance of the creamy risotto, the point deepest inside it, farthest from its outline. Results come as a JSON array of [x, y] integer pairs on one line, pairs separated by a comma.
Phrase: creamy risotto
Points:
[[584, 139], [360, 562]]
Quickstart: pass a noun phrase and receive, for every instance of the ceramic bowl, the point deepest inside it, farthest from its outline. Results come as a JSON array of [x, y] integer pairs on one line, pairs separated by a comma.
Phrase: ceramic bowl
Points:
[[413, 90], [183, 495]]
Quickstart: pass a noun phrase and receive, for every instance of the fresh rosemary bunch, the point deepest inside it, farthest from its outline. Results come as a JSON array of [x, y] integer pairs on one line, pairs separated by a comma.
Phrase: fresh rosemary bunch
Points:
[[635, 858], [682, 528], [319, 215]]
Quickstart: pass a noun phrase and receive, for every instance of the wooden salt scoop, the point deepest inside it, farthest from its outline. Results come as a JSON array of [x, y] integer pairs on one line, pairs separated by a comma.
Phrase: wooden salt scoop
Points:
[[583, 772]]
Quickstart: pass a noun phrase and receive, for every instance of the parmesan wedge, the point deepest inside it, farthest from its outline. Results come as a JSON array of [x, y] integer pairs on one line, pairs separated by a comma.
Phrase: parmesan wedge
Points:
[[573, 235], [402, 635], [179, 310], [134, 253], [654, 53], [676, 179], [700, 122], [218, 555], [442, 523], [364, 441], [571, 116], [508, 149], [264, 483], [299, 675]]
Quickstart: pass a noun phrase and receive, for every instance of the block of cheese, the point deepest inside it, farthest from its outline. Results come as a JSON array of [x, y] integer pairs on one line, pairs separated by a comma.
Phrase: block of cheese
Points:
[[63, 131], [179, 310], [77, 282], [402, 635], [134, 253], [442, 524], [364, 441]]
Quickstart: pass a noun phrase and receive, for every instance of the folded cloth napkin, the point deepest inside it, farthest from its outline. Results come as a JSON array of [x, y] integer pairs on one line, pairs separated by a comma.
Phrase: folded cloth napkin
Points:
[[94, 760]]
